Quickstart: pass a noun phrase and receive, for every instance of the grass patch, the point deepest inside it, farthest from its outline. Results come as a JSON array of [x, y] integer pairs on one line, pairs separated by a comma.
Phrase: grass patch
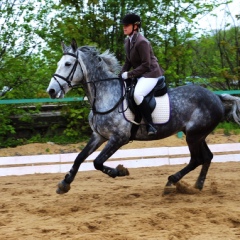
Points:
[[229, 128]]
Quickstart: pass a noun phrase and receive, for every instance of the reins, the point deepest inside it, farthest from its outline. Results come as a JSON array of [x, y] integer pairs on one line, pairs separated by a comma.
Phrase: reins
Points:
[[94, 99]]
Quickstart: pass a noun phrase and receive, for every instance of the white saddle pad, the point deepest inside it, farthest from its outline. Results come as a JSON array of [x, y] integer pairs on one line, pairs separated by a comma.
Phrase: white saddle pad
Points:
[[160, 114]]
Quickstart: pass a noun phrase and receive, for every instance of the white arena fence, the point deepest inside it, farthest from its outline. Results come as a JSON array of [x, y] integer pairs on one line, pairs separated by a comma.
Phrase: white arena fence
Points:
[[130, 158]]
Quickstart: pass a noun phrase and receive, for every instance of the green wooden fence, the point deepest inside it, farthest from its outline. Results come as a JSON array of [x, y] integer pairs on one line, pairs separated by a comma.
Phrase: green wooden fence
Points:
[[40, 100], [76, 99], [232, 92]]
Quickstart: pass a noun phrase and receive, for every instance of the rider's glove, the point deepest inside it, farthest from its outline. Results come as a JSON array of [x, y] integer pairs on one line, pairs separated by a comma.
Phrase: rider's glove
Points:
[[125, 75]]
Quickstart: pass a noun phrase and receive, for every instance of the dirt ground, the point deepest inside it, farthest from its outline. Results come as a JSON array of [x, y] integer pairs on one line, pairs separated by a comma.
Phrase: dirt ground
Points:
[[130, 208]]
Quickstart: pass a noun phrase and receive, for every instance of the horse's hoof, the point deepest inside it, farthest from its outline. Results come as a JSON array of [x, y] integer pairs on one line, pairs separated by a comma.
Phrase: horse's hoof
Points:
[[174, 178], [199, 185], [63, 187], [122, 171]]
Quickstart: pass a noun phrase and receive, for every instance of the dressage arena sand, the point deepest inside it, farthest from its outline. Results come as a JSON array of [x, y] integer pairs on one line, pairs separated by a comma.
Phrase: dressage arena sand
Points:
[[130, 208]]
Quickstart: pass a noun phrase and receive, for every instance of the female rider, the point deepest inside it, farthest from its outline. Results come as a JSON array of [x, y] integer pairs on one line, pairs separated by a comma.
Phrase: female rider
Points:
[[140, 63]]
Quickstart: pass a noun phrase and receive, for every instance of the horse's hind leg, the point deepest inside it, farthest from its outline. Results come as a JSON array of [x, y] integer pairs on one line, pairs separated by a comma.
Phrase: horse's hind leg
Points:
[[207, 157], [200, 155]]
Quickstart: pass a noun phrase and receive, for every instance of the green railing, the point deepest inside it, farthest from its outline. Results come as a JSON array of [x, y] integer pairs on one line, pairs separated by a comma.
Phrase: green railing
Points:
[[40, 100], [76, 99], [232, 92]]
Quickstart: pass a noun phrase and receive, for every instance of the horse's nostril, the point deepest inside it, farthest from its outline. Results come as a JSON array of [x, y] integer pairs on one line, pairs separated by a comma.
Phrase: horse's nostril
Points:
[[51, 91]]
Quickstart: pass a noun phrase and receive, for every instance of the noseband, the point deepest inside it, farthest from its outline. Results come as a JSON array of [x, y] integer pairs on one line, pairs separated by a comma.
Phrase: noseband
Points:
[[69, 78]]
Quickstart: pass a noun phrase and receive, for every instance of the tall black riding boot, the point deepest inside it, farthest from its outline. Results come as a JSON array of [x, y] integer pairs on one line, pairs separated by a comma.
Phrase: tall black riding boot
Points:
[[146, 113]]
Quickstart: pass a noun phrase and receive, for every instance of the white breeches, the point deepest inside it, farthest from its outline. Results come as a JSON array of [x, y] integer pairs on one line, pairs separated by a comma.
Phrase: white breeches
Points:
[[143, 87]]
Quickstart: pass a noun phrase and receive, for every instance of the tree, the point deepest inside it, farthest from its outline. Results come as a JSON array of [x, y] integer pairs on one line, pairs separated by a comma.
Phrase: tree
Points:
[[21, 45], [217, 56]]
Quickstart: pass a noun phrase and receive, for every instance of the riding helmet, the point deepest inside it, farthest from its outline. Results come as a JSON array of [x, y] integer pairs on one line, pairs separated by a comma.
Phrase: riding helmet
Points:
[[131, 18]]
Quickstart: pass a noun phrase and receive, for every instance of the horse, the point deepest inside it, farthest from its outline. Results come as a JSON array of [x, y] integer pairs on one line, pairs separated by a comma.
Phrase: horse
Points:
[[195, 111]]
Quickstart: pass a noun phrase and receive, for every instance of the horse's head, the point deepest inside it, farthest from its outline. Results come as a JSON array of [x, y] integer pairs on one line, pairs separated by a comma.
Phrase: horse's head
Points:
[[69, 72]]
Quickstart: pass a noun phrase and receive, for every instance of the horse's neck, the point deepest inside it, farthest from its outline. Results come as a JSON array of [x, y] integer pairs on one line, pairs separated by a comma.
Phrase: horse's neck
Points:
[[104, 93]]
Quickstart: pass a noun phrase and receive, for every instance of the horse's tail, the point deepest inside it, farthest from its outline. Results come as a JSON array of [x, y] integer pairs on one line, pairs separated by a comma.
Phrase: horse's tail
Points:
[[232, 107]]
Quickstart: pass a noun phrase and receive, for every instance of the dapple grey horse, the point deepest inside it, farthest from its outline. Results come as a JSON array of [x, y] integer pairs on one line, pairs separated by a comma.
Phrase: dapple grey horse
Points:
[[195, 111]]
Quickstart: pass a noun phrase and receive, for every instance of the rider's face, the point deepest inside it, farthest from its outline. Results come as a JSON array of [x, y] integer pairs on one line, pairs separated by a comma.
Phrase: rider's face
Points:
[[127, 29]]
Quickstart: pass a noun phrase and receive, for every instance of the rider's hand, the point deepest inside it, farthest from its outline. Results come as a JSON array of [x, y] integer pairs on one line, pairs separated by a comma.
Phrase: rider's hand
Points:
[[125, 75]]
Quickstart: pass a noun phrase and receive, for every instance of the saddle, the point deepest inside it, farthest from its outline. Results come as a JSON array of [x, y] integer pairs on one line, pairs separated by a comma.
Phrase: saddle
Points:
[[159, 90]]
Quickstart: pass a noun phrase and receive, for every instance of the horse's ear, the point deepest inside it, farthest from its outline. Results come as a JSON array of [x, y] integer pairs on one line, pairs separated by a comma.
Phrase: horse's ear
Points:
[[74, 45], [63, 46]]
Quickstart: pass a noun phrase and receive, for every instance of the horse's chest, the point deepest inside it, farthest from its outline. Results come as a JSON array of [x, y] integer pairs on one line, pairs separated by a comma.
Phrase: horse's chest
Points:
[[108, 124]]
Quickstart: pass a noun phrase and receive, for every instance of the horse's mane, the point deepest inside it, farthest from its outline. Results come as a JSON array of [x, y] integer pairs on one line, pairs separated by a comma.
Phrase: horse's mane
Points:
[[109, 61]]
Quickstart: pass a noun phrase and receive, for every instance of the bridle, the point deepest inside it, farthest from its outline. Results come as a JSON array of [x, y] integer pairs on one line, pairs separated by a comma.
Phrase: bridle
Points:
[[69, 78]]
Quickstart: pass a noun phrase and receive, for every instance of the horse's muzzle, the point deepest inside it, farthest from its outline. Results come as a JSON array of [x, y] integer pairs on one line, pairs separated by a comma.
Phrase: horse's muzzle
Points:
[[52, 93]]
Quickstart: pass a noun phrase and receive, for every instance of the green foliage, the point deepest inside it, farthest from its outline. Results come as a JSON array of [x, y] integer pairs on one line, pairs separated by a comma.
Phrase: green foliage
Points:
[[6, 126], [229, 128], [77, 121], [217, 58], [20, 127], [22, 65], [31, 32]]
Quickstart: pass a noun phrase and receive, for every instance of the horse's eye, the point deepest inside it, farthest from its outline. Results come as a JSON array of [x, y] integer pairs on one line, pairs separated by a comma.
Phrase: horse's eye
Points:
[[68, 64]]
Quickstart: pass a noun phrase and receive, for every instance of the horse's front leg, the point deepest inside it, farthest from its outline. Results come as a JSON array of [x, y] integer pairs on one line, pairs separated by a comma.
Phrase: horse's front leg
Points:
[[94, 142], [112, 146]]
